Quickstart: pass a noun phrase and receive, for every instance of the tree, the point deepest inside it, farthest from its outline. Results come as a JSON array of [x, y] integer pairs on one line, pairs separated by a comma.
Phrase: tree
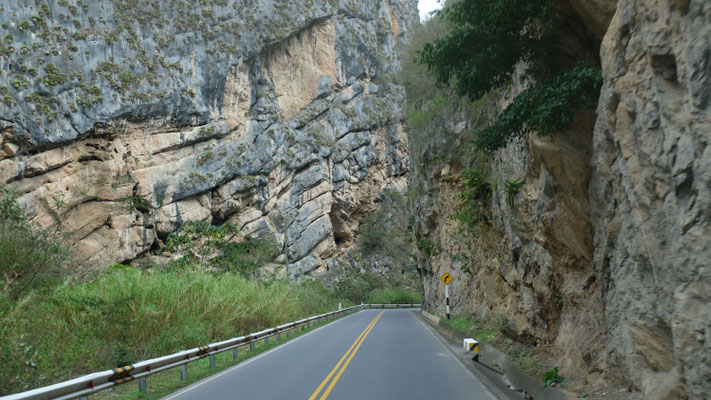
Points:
[[487, 40]]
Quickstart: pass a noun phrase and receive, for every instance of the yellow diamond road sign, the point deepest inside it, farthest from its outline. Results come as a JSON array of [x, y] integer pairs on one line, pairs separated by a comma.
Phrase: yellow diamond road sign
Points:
[[446, 278]]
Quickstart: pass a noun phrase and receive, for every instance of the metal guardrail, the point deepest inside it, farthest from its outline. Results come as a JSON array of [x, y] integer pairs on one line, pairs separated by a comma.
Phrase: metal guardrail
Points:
[[86, 385]]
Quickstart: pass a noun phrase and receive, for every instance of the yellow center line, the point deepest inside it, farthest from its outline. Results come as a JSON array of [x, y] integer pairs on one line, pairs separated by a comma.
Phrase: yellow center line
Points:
[[338, 376], [355, 345]]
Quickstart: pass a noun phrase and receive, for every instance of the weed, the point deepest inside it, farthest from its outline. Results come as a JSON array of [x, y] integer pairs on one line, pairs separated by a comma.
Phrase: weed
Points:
[[427, 247], [512, 188], [473, 201], [551, 377]]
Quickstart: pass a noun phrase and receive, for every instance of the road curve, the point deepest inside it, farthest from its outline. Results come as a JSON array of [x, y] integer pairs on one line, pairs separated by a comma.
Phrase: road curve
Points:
[[373, 354]]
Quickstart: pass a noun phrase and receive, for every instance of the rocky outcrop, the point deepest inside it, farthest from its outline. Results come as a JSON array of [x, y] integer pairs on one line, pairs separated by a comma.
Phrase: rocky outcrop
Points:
[[602, 261], [122, 118], [651, 196]]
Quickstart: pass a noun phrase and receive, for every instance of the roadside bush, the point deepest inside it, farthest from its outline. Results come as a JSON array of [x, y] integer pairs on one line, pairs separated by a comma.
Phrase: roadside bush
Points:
[[356, 286], [393, 295], [30, 257]]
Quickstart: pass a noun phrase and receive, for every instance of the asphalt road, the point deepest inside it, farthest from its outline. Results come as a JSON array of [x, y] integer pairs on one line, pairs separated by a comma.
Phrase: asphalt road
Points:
[[373, 354]]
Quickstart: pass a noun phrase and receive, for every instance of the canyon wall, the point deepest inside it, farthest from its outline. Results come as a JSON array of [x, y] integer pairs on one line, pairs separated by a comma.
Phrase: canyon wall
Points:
[[120, 119], [602, 259]]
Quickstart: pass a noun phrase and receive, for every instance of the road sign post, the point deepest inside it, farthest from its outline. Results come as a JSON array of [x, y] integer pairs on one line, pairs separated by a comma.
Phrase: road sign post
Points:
[[446, 279]]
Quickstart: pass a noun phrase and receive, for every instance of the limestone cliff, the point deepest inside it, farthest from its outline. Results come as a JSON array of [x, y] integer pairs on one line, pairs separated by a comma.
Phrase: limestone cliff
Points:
[[121, 118], [602, 260]]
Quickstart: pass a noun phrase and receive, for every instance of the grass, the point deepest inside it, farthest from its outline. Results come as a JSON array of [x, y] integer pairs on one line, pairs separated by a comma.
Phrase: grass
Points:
[[128, 315], [167, 382], [466, 325]]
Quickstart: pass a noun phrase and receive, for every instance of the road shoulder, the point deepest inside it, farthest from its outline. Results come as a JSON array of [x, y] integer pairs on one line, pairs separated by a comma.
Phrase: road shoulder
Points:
[[491, 379]]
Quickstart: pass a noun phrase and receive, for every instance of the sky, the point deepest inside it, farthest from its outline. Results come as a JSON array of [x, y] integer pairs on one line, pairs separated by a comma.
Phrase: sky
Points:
[[426, 6]]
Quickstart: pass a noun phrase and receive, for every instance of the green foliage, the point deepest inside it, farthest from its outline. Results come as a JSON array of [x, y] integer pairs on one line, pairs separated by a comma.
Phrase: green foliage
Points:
[[512, 188], [427, 247], [134, 203], [385, 233], [199, 243], [126, 315], [474, 201], [551, 377], [356, 286], [545, 108], [30, 257], [372, 233], [430, 109], [248, 256], [394, 295], [469, 326], [53, 77], [487, 40]]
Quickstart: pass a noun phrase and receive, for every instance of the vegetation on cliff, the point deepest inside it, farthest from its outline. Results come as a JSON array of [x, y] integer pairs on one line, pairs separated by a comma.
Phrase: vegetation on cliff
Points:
[[492, 42]]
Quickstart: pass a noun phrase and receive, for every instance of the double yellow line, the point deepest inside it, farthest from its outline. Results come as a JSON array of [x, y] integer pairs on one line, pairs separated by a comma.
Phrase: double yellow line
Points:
[[347, 357]]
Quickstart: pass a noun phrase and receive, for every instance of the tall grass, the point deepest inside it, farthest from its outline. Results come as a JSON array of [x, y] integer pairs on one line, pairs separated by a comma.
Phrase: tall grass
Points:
[[129, 315]]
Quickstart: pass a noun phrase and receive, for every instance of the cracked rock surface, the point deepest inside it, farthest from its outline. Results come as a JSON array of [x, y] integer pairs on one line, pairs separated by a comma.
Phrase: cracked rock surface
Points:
[[119, 119]]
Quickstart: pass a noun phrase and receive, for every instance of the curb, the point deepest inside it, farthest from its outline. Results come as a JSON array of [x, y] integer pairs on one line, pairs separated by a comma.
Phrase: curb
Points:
[[496, 361]]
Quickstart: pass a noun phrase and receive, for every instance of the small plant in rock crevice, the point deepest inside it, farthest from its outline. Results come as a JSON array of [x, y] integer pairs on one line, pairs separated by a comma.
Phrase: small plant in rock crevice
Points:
[[512, 188], [474, 201], [551, 377]]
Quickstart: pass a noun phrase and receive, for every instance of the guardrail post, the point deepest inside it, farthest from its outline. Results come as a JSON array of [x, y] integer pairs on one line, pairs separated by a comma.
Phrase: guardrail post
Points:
[[287, 332], [278, 336], [212, 361], [142, 385], [266, 340], [184, 372], [83, 398], [251, 346], [234, 354]]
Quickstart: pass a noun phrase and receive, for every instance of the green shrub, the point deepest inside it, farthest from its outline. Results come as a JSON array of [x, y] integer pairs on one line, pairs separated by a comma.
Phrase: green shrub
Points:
[[30, 257], [512, 188], [546, 108], [356, 286], [385, 232], [488, 39], [474, 201], [372, 233], [393, 295], [551, 377], [199, 243], [427, 247], [248, 256]]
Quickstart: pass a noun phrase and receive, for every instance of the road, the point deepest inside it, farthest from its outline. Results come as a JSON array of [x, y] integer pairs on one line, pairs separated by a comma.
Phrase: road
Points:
[[373, 354]]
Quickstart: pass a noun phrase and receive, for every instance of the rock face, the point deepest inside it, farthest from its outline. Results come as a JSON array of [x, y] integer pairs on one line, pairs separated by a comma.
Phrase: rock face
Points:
[[121, 118], [651, 195], [603, 258]]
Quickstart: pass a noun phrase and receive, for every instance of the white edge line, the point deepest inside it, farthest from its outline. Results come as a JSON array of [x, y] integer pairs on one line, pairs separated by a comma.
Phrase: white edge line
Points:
[[456, 357], [249, 360]]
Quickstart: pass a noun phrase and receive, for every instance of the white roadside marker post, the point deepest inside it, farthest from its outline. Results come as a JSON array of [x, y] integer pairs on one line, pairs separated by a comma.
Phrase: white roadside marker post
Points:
[[446, 294], [446, 279]]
